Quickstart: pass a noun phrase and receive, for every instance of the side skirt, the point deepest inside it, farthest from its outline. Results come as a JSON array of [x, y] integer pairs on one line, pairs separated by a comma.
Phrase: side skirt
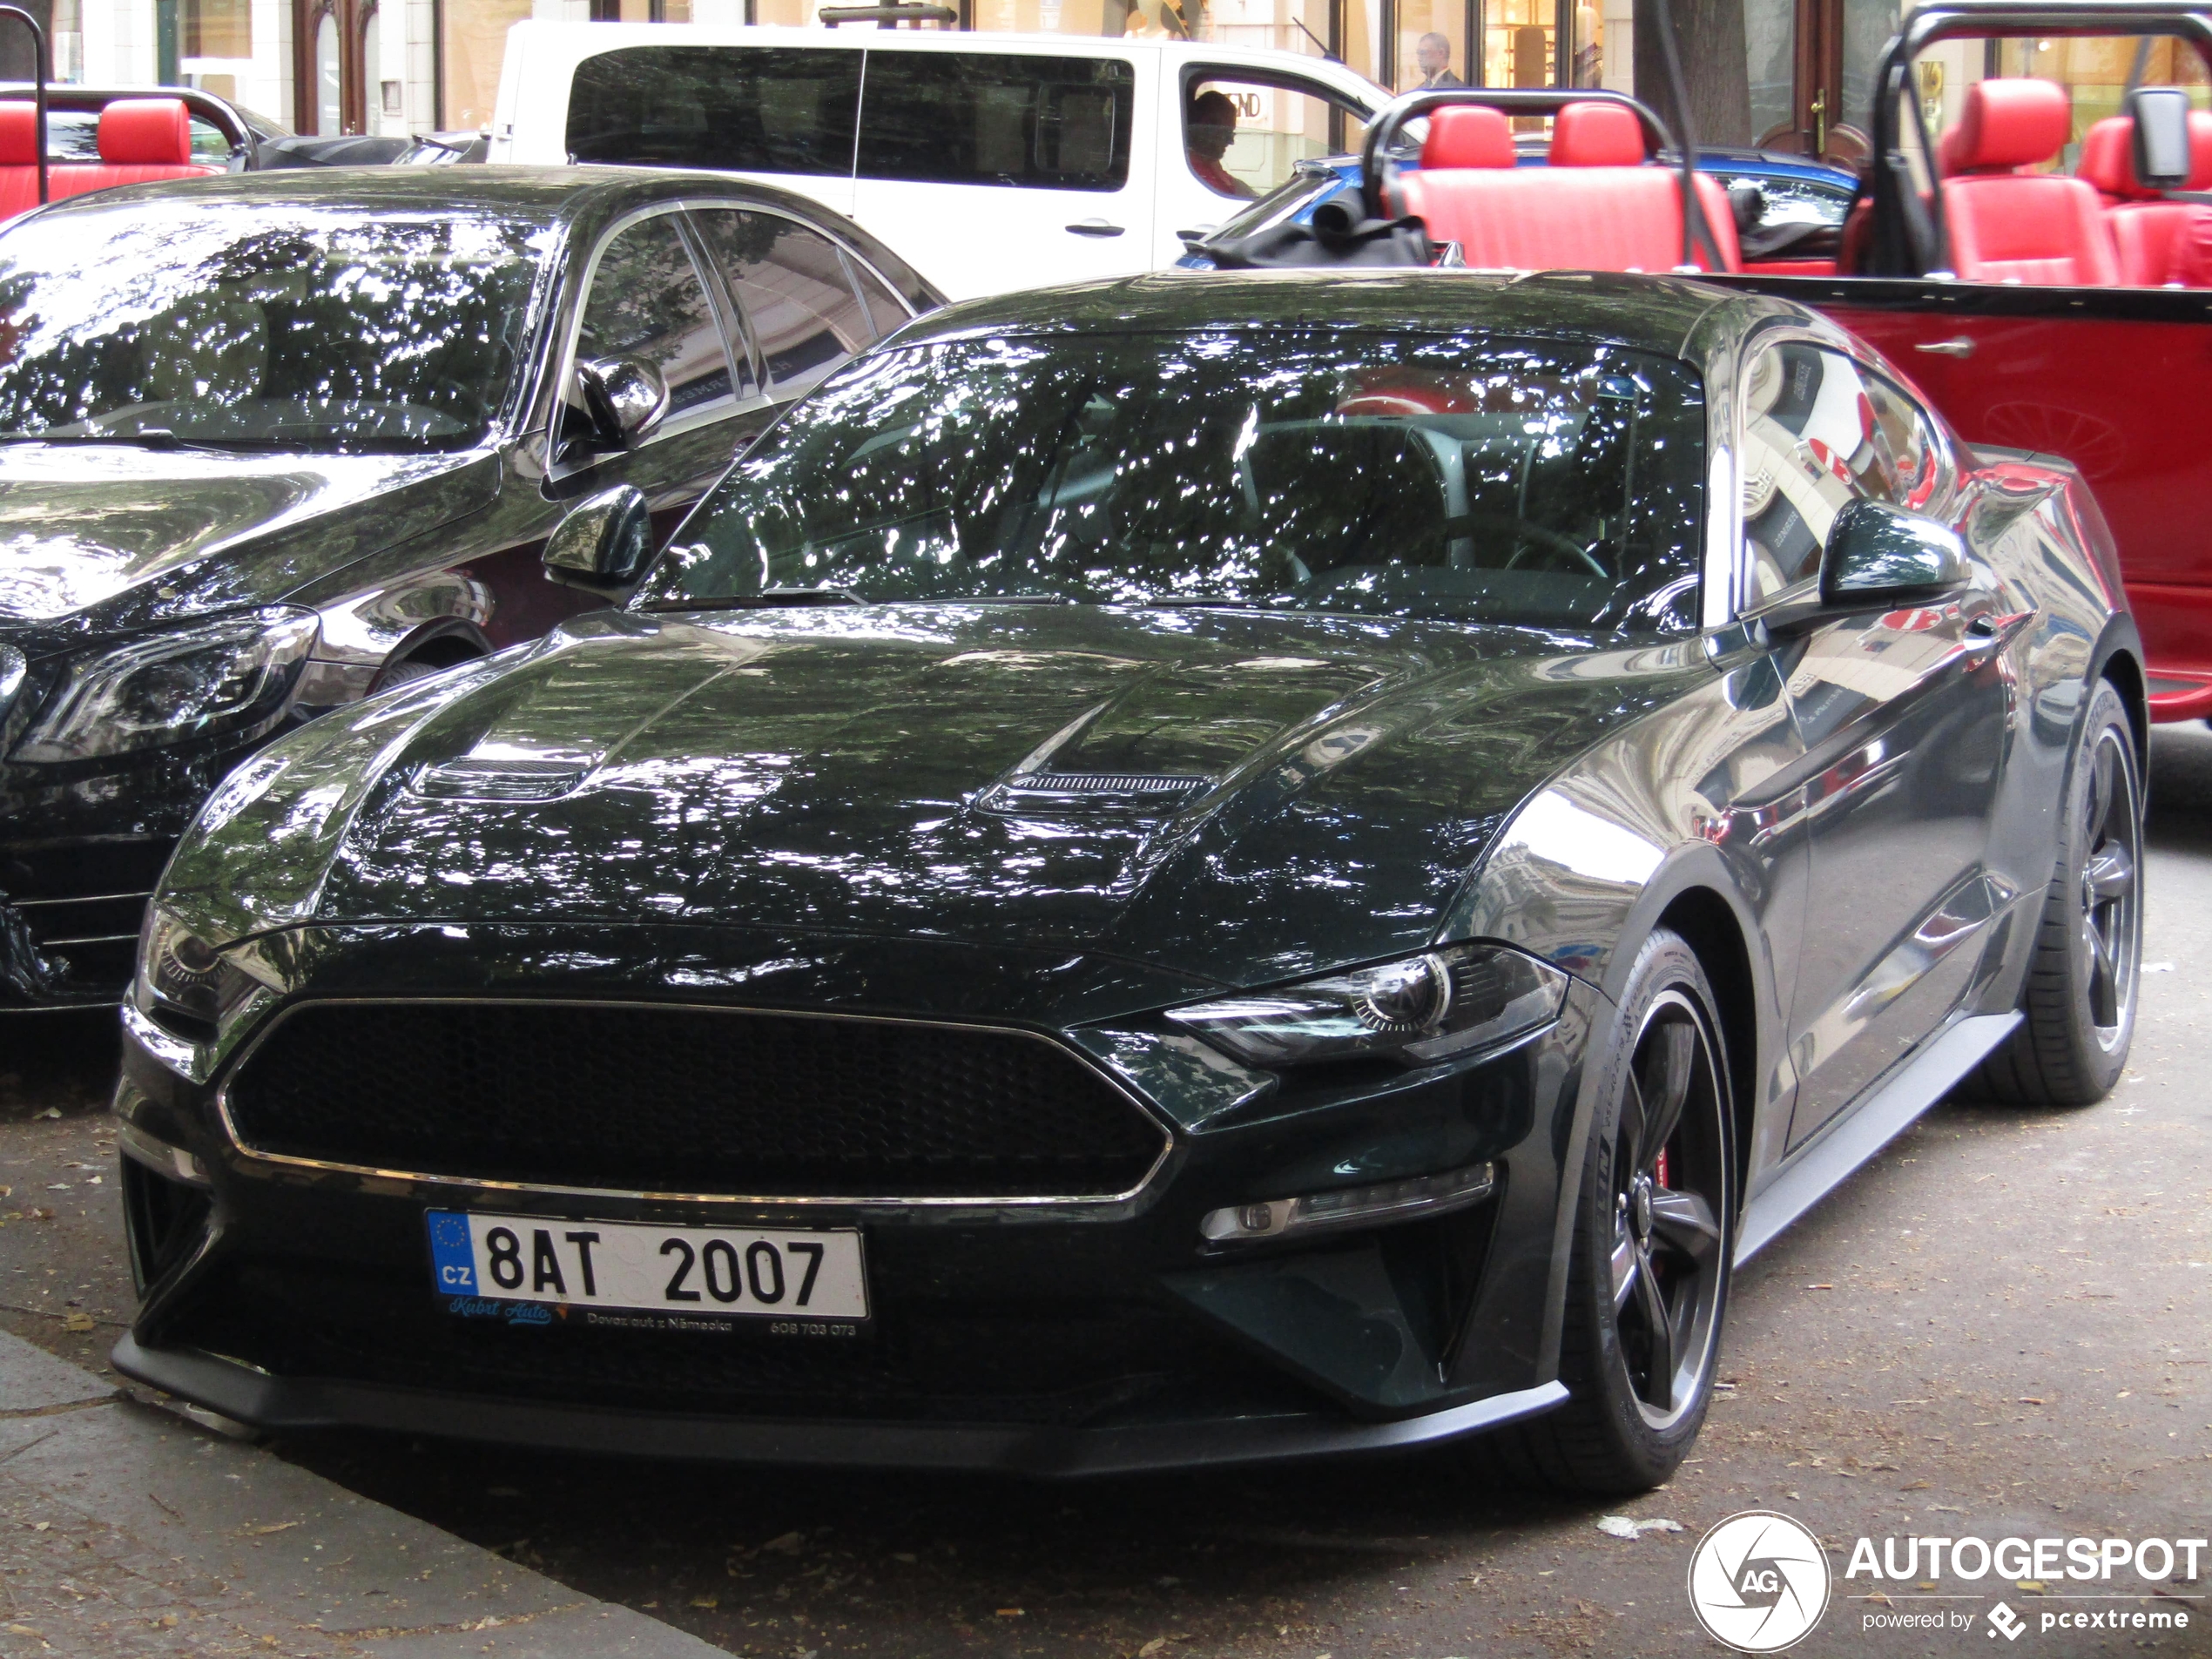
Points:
[[1860, 1133]]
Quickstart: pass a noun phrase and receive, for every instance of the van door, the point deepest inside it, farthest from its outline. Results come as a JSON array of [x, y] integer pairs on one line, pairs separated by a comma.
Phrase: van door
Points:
[[991, 171]]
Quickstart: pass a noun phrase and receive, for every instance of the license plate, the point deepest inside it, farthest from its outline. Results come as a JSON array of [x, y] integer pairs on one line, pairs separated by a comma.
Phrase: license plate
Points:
[[710, 1272]]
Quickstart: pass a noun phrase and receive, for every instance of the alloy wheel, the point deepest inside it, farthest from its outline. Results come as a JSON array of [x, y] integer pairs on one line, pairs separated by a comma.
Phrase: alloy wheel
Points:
[[1671, 1196], [2111, 912]]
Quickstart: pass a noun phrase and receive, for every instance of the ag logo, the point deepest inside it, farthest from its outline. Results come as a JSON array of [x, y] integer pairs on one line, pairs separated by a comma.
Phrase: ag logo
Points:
[[1759, 1583]]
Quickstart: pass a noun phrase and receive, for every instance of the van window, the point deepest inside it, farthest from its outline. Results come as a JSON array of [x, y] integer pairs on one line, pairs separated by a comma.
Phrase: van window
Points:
[[998, 118], [749, 108], [790, 281], [1244, 136]]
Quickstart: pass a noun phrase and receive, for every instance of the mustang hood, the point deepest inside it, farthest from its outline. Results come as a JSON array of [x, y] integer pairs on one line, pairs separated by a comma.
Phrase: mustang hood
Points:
[[97, 527], [1245, 796]]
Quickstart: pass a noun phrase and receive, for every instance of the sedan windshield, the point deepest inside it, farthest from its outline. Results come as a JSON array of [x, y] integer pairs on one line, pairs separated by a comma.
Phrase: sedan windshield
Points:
[[281, 327], [1467, 477]]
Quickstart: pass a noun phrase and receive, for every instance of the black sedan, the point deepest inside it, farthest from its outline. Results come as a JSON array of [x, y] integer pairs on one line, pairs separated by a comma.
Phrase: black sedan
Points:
[[1190, 869], [277, 439]]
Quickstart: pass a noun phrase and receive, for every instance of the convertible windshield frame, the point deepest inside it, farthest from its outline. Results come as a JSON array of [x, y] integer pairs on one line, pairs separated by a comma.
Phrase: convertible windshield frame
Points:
[[306, 354], [1275, 467]]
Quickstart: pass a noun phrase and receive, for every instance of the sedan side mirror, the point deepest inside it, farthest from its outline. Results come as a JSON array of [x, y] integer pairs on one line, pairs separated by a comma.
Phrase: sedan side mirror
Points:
[[604, 544], [1877, 552], [625, 398]]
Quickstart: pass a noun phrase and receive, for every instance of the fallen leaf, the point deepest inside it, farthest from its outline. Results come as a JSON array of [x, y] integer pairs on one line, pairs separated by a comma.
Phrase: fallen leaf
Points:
[[790, 1543], [2033, 1586], [40, 1526], [1624, 1526], [51, 1111], [1011, 1613], [2029, 1399], [1917, 1486], [1159, 1644], [76, 1322], [906, 1556], [708, 1601], [281, 1526], [1820, 1287]]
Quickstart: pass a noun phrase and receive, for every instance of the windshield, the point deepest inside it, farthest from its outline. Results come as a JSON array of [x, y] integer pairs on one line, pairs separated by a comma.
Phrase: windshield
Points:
[[1463, 477], [271, 327]]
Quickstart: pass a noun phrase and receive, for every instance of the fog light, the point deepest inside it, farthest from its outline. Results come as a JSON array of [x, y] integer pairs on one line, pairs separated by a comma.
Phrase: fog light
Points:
[[1423, 1194]]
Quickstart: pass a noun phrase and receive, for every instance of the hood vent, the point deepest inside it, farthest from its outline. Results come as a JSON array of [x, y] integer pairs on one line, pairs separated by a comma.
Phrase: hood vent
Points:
[[1038, 788], [498, 778]]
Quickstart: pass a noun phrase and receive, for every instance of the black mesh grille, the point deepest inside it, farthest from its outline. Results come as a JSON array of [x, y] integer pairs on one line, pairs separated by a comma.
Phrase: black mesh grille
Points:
[[674, 1100]]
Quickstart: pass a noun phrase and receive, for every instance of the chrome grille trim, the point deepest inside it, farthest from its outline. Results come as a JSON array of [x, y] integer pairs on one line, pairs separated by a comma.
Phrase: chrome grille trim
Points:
[[1150, 1115]]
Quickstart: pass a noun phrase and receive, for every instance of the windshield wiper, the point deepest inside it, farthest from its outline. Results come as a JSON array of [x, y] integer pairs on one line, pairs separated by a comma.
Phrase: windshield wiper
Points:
[[767, 599], [154, 438]]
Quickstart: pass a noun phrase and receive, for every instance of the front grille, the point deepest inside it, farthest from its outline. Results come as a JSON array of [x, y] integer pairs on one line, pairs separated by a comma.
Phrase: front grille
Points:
[[682, 1099]]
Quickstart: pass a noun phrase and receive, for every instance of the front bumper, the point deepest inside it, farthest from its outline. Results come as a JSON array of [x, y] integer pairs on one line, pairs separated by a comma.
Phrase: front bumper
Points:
[[1068, 1337], [289, 1403]]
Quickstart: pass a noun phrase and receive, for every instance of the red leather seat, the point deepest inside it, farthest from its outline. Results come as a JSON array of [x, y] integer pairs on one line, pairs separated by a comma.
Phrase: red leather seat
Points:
[[2008, 226], [141, 140], [1600, 205], [2147, 232]]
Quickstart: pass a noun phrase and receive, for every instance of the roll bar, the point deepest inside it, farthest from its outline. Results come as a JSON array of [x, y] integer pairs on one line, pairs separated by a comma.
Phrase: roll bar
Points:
[[40, 68], [1376, 157], [1896, 203]]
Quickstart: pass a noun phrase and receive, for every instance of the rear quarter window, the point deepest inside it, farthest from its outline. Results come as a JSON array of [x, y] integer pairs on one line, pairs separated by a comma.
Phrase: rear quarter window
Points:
[[747, 109], [998, 118]]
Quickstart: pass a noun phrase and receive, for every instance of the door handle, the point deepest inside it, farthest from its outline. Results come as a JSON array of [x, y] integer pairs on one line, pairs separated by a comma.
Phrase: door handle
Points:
[[1961, 347], [1094, 227]]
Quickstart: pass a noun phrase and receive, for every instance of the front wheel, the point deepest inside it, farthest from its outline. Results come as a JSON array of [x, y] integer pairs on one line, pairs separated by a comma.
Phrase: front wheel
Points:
[[1654, 1227]]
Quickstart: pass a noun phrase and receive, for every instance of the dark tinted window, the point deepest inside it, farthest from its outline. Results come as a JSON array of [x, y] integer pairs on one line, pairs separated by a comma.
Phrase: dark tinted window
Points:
[[997, 118], [1454, 476], [755, 109], [791, 283], [884, 307]]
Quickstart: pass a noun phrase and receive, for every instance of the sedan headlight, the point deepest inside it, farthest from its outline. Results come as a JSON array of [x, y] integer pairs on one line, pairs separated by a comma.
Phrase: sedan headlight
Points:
[[234, 676], [1419, 1009], [185, 984]]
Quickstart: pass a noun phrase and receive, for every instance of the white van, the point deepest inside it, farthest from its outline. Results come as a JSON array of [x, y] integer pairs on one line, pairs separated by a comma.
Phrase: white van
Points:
[[990, 162]]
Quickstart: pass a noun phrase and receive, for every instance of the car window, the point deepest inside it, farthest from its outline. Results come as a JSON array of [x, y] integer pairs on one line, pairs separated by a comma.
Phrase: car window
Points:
[[1243, 137], [792, 285], [997, 118], [752, 109], [209, 145], [1470, 477], [884, 309], [647, 301], [1818, 432]]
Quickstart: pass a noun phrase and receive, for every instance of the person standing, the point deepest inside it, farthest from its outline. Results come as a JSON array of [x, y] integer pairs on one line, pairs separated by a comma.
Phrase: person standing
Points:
[[1433, 57]]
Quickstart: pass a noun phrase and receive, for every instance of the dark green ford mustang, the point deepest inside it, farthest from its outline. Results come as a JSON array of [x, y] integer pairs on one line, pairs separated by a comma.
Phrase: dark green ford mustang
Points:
[[1184, 870]]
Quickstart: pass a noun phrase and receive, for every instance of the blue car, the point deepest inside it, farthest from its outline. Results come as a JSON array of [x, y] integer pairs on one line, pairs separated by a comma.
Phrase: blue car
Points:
[[1786, 206]]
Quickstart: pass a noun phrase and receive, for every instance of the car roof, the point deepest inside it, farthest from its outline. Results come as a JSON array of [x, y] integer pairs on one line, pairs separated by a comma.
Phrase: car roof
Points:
[[1646, 312], [546, 193]]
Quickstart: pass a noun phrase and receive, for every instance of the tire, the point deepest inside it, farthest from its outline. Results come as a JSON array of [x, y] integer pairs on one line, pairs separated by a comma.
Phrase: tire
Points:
[[2079, 1004], [1650, 1248], [405, 672]]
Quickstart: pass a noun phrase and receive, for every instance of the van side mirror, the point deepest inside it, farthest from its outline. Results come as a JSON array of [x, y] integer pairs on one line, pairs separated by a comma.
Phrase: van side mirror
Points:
[[1877, 552], [2161, 124], [625, 397], [604, 544]]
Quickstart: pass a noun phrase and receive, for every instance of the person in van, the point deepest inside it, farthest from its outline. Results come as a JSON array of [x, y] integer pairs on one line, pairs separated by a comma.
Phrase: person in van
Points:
[[1209, 128]]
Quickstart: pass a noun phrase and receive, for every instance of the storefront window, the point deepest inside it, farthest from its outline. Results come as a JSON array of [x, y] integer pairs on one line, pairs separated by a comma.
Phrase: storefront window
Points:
[[2096, 69], [1431, 43], [476, 40]]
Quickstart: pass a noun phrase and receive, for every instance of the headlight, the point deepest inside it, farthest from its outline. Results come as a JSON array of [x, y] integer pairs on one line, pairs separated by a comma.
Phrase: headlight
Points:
[[233, 675], [1420, 1009], [184, 984]]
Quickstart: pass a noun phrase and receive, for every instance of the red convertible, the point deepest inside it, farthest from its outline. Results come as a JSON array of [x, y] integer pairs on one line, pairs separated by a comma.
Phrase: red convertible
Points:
[[2045, 277]]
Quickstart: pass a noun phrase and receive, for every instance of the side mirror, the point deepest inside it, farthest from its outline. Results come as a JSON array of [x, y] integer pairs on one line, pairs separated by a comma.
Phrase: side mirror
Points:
[[2162, 122], [604, 544], [1877, 552], [626, 397]]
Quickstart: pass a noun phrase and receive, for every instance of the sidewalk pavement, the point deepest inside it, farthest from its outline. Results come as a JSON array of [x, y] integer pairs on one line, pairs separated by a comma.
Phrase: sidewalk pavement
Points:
[[127, 1533]]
